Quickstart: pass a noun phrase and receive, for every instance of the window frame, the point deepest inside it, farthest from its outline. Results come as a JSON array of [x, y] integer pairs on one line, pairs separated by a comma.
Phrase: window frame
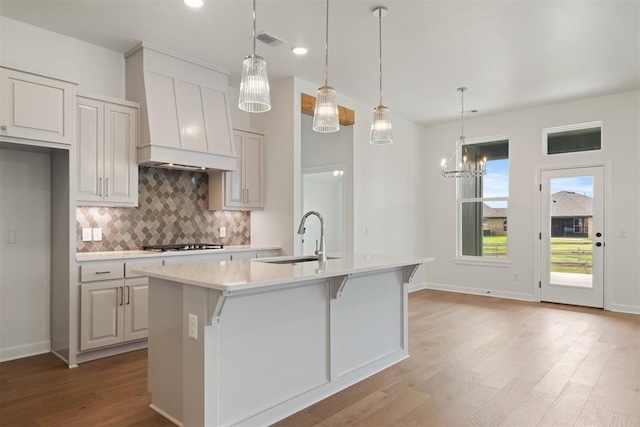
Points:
[[473, 259], [566, 128]]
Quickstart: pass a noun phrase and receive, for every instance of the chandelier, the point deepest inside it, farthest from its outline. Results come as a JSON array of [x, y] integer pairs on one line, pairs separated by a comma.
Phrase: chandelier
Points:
[[467, 166]]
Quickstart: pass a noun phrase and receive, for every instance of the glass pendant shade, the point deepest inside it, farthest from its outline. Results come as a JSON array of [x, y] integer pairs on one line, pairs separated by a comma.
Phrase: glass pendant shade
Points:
[[325, 116], [254, 86], [381, 126]]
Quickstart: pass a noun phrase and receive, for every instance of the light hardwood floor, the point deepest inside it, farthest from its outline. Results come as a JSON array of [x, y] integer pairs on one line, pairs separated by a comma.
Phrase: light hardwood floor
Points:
[[475, 360]]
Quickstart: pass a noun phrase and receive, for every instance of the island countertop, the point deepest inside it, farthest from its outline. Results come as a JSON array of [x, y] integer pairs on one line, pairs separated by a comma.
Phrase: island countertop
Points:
[[241, 275]]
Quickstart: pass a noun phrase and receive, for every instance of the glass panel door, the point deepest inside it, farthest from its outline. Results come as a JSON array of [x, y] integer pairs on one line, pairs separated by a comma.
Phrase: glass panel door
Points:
[[572, 241]]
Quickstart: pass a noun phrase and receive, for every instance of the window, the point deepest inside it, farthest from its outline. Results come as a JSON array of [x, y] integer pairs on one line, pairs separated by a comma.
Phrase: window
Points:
[[577, 225], [574, 138], [483, 203]]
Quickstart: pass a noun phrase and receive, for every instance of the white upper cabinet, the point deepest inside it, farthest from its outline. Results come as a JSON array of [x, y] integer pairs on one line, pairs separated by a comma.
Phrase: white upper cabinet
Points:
[[35, 107], [242, 189], [106, 139]]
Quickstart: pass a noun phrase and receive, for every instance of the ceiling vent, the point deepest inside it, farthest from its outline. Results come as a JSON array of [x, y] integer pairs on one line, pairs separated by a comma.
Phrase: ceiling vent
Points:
[[269, 39]]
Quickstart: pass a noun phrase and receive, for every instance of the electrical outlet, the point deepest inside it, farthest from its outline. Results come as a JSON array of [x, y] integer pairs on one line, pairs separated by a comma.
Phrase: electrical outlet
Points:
[[86, 234], [223, 231], [193, 326], [97, 234], [11, 236], [516, 277]]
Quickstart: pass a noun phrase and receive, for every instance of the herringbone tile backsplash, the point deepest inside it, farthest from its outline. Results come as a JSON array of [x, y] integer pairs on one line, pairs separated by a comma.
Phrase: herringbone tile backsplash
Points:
[[172, 208]]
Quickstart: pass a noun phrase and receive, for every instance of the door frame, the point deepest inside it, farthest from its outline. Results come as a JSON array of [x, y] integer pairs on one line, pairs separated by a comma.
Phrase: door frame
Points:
[[607, 165]]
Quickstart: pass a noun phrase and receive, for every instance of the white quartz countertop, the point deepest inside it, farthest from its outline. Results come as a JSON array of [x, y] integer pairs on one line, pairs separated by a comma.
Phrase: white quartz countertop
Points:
[[108, 255], [231, 276]]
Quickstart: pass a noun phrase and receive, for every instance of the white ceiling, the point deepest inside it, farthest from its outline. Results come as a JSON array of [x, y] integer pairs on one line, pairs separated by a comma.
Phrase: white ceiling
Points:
[[511, 54]]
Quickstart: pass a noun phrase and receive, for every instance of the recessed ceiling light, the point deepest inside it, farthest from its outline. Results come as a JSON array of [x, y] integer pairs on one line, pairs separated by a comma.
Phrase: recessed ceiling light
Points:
[[299, 50], [194, 3]]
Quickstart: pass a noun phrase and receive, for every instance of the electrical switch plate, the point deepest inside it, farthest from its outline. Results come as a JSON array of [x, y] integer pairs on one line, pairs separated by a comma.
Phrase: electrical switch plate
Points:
[[193, 326], [86, 234], [97, 234], [11, 236], [223, 231], [623, 232]]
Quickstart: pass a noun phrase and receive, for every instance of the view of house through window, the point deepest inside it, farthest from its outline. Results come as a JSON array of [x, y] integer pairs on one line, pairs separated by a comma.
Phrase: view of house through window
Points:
[[483, 202]]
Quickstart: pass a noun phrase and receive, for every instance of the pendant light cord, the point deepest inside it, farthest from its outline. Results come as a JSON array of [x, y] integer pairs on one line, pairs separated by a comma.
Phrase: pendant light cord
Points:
[[326, 48], [380, 45], [462, 112], [254, 27]]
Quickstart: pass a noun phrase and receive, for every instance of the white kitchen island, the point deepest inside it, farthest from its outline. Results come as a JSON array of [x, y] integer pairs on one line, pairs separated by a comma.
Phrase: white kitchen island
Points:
[[271, 339]]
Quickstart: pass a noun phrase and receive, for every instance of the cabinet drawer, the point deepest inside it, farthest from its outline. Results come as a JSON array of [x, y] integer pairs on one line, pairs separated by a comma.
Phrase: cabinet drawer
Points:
[[130, 265], [92, 273]]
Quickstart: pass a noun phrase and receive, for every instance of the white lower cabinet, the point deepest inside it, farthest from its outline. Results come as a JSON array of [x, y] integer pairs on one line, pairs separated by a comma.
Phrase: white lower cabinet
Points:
[[136, 308], [101, 314]]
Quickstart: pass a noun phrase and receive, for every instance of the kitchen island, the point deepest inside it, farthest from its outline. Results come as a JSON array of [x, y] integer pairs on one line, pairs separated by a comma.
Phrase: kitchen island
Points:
[[250, 342]]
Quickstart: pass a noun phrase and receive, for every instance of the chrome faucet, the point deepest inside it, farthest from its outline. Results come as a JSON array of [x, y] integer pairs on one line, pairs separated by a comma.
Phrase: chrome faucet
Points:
[[320, 251]]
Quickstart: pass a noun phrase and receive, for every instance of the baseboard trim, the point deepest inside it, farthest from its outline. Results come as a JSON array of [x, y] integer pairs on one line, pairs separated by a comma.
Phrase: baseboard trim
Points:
[[413, 287], [474, 291], [27, 350], [623, 308], [164, 414]]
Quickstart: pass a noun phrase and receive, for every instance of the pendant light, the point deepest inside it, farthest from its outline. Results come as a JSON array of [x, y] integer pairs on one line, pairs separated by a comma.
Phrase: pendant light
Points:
[[325, 115], [468, 167], [381, 124], [254, 84]]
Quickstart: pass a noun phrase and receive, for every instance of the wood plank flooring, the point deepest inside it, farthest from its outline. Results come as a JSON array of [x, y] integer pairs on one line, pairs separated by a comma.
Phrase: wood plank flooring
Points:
[[475, 361]]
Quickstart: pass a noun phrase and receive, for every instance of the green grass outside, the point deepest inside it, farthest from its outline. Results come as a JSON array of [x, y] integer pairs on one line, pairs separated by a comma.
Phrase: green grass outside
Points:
[[568, 255]]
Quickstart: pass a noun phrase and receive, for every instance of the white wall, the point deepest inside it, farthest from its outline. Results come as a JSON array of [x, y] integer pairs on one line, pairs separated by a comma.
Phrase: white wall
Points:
[[386, 179], [24, 265], [326, 197], [621, 138], [275, 224], [95, 69]]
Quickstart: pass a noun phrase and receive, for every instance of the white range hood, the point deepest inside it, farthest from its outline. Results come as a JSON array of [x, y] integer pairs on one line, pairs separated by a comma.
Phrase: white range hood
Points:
[[184, 105]]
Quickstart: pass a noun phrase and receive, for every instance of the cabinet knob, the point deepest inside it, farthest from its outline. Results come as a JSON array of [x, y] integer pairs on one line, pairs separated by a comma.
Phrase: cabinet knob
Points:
[[3, 127]]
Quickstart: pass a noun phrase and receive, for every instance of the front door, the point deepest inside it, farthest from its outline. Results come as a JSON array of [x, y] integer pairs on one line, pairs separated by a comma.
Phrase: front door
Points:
[[572, 236]]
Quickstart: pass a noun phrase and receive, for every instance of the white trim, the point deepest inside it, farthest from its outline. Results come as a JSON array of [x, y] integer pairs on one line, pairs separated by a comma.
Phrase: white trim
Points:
[[417, 287], [164, 414], [26, 350], [481, 261], [624, 308], [567, 128], [475, 291]]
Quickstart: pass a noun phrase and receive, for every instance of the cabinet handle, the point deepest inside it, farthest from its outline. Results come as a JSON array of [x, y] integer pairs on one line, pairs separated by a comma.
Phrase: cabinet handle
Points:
[[103, 272], [121, 295], [107, 187], [128, 294], [100, 188], [3, 127]]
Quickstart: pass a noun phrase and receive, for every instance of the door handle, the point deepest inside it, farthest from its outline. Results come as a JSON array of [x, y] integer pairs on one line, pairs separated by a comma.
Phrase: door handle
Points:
[[121, 295], [128, 295], [598, 244]]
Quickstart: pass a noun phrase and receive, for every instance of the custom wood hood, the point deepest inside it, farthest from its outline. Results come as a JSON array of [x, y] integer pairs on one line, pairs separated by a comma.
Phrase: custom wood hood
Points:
[[184, 108]]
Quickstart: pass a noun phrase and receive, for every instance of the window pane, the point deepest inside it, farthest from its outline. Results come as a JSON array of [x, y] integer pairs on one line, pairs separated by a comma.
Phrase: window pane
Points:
[[574, 141], [484, 229]]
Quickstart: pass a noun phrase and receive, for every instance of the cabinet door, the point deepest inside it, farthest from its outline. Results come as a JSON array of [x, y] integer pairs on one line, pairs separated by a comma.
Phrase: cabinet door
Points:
[[90, 143], [101, 314], [120, 140], [36, 107], [234, 191], [252, 168], [136, 309]]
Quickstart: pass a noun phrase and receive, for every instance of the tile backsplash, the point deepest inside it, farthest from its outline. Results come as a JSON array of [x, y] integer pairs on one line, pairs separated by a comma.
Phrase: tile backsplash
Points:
[[172, 208]]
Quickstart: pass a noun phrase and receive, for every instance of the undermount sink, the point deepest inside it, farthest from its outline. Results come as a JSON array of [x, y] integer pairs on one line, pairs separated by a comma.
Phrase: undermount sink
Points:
[[294, 260]]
